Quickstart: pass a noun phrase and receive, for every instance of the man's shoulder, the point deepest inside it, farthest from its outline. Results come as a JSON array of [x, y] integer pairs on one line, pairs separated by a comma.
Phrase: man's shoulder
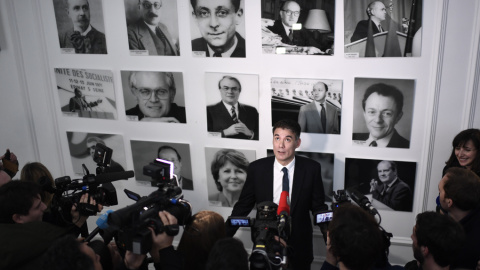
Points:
[[97, 33], [135, 26], [263, 161], [199, 44], [398, 141], [305, 160], [248, 107], [360, 136], [215, 106], [276, 25], [133, 111]]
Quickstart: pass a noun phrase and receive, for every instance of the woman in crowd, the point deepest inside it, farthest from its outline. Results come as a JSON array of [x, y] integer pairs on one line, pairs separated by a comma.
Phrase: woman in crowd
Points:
[[38, 173], [229, 170], [464, 152]]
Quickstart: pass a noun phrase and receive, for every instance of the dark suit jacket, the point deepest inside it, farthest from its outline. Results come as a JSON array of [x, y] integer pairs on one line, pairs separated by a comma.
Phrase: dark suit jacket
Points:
[[218, 119], [398, 196], [175, 111], [200, 44], [97, 41], [396, 141], [361, 31], [309, 119], [307, 195], [301, 37], [140, 37]]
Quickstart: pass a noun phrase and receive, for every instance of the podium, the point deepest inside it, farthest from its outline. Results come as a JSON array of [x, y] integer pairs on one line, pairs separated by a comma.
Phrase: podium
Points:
[[357, 48]]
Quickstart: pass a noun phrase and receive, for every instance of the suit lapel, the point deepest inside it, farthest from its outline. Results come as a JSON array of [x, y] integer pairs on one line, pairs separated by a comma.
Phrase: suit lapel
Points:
[[145, 35], [298, 176]]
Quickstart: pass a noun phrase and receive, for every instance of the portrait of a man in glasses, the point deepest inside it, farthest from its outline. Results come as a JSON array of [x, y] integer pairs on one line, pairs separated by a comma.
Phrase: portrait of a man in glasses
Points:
[[217, 22], [155, 93], [148, 33]]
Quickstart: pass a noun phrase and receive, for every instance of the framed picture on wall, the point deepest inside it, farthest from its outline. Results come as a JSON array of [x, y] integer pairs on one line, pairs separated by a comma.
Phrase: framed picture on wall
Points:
[[315, 103], [152, 27], [388, 184], [154, 96], [80, 26], [87, 93]]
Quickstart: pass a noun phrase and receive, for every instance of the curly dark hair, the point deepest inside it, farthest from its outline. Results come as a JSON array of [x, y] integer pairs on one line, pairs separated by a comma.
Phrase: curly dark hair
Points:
[[460, 139], [221, 158]]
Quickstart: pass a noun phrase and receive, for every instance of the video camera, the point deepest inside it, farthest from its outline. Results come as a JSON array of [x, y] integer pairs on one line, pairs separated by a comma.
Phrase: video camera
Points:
[[264, 228], [130, 225]]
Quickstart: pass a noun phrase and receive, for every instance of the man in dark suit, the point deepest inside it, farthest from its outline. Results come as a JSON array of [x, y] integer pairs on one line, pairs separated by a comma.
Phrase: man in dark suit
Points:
[[219, 36], [82, 37], [229, 117], [149, 34], [382, 109], [265, 183], [377, 12], [391, 191], [319, 116], [169, 153]]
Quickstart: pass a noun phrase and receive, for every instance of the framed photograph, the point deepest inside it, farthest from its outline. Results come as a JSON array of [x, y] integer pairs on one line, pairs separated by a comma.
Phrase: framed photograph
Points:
[[80, 26], [226, 174], [389, 185], [232, 103], [154, 96], [391, 28], [86, 93], [383, 112], [315, 103]]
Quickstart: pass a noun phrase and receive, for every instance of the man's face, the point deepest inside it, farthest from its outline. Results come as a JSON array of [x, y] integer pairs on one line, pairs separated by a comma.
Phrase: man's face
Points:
[[319, 92], [229, 91], [385, 172], [379, 11], [153, 94], [284, 145], [381, 115], [217, 21], [417, 253], [150, 10], [84, 248], [79, 13], [35, 213], [444, 201], [78, 93], [292, 8], [170, 155]]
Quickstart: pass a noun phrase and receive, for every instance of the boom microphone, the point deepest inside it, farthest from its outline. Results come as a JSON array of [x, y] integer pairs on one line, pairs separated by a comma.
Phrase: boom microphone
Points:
[[362, 201], [113, 176]]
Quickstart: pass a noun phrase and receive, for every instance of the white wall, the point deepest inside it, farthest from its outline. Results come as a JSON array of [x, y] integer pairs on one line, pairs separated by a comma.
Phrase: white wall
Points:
[[33, 127]]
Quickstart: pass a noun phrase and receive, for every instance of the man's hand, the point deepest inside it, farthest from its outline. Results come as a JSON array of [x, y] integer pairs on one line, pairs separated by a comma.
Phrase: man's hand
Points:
[[162, 240], [78, 219], [230, 131], [160, 119], [373, 185], [313, 50], [242, 128]]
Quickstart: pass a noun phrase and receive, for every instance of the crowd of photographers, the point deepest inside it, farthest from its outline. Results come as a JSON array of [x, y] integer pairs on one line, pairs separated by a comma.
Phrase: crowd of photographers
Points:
[[37, 231]]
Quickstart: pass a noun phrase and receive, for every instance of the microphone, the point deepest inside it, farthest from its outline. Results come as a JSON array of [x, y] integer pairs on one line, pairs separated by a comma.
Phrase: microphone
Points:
[[101, 225], [283, 204], [362, 201]]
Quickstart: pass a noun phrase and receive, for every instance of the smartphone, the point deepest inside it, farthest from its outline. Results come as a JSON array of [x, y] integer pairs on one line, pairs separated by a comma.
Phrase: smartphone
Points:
[[322, 217]]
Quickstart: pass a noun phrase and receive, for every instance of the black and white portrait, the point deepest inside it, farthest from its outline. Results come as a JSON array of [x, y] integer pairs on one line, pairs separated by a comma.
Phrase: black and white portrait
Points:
[[154, 96], [383, 112], [315, 103], [226, 174], [152, 27], [326, 160], [298, 27], [388, 28], [80, 26], [145, 152], [217, 28], [82, 148], [86, 93], [388, 184], [232, 102]]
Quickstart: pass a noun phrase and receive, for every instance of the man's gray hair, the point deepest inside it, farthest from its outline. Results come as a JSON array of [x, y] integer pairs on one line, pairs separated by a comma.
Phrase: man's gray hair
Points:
[[170, 81]]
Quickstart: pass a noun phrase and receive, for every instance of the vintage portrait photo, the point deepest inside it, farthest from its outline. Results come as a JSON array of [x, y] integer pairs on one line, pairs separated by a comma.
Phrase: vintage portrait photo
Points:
[[389, 185], [217, 28], [298, 27], [226, 174], [315, 103], [388, 28], [82, 148], [154, 96], [80, 26], [86, 93], [145, 152], [232, 102], [326, 161], [152, 27], [383, 112]]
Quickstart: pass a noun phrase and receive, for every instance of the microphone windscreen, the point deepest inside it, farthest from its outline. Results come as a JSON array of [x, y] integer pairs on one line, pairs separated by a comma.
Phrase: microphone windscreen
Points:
[[283, 203], [102, 220]]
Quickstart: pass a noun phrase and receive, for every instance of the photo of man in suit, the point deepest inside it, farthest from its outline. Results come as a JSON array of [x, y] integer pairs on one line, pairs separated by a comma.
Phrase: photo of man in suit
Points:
[[319, 116], [382, 106], [82, 37], [229, 117], [169, 153], [301, 177], [148, 33], [217, 22], [377, 13]]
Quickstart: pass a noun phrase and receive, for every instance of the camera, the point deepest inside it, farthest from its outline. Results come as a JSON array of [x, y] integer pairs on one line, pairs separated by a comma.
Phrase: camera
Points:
[[264, 228], [322, 217], [130, 225]]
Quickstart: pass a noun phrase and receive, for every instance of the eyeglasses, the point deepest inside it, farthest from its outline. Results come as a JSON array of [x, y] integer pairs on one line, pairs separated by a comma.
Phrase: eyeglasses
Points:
[[147, 93], [294, 13], [148, 5], [205, 13]]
